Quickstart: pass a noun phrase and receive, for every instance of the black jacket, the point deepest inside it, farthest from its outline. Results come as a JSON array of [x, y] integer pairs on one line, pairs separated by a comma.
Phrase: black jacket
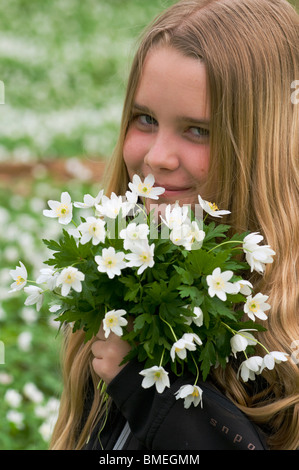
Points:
[[160, 422]]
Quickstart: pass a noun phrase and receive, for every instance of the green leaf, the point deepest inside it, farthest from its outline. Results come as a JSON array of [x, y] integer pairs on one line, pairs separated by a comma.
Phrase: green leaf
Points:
[[207, 358]]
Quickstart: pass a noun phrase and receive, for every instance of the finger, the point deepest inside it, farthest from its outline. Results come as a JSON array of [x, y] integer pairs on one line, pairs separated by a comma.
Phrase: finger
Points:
[[101, 333]]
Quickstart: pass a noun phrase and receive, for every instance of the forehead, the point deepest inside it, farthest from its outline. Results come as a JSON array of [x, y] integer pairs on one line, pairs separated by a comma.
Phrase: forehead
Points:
[[170, 78]]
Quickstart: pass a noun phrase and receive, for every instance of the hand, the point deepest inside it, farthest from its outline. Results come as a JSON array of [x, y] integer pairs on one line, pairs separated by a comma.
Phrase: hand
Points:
[[108, 354]]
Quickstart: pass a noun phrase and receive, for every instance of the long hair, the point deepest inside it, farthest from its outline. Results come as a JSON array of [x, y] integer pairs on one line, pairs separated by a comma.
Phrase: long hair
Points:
[[250, 50]]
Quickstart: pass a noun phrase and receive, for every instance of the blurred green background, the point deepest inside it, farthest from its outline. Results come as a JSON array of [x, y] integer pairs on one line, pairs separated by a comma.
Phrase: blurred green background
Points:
[[64, 65]]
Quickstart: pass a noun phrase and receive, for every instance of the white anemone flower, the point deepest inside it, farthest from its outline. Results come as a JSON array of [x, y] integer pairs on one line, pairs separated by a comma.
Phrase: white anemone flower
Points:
[[257, 255], [70, 278], [20, 276], [89, 201], [241, 340], [197, 317], [180, 348], [134, 233], [48, 276], [111, 262], [157, 376], [244, 287], [36, 296], [251, 367], [211, 208], [145, 188], [93, 229], [62, 209], [175, 215], [256, 306], [274, 357], [190, 394], [111, 207], [219, 284], [142, 256], [113, 322]]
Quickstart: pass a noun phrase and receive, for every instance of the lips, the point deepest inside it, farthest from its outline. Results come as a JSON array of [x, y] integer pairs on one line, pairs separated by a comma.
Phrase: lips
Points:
[[169, 187]]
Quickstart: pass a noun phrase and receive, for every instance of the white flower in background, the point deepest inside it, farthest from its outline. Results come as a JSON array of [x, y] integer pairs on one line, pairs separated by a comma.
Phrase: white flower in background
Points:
[[241, 340], [190, 394], [274, 357], [142, 256], [113, 322], [193, 235], [197, 317], [31, 392], [251, 367], [180, 235], [29, 315], [155, 376], [256, 306], [5, 379], [54, 308], [70, 278], [219, 284], [24, 341], [15, 417], [211, 208], [63, 209], [131, 201], [134, 233], [89, 201], [145, 188], [110, 262], [13, 398], [20, 276], [93, 229], [36, 296], [111, 207], [192, 337], [257, 256], [180, 348], [244, 287], [175, 215], [48, 276]]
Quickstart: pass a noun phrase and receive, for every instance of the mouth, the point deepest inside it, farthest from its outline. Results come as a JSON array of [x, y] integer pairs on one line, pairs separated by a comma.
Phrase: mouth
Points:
[[172, 191]]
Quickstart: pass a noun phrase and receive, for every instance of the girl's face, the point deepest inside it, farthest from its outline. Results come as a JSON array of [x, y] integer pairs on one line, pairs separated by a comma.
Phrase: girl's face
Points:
[[168, 135]]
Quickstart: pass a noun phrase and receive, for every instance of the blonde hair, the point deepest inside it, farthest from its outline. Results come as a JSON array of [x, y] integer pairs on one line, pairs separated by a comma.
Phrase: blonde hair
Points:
[[254, 168]]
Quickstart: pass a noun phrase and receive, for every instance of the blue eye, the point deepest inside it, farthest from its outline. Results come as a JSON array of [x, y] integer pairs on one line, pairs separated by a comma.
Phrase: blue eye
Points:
[[199, 131], [147, 120]]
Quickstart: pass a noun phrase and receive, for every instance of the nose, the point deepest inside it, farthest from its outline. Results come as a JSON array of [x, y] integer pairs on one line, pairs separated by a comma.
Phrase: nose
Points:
[[163, 153]]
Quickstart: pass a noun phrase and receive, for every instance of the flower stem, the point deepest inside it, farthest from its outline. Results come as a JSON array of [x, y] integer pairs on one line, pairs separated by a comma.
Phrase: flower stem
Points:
[[161, 360], [170, 327], [225, 243], [234, 332], [197, 370]]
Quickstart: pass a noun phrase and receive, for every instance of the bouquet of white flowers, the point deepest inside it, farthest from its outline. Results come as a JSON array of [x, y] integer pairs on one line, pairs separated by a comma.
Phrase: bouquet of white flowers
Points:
[[178, 279]]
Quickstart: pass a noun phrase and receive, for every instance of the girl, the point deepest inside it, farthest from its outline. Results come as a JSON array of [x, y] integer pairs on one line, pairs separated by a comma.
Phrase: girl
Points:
[[208, 111]]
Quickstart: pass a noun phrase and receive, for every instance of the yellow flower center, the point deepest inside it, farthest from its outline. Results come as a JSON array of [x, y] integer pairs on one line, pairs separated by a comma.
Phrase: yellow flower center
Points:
[[111, 321], [213, 206], [144, 257], [69, 278], [20, 280], [62, 210], [157, 375], [254, 306], [109, 263], [218, 283], [144, 189], [92, 229], [195, 392]]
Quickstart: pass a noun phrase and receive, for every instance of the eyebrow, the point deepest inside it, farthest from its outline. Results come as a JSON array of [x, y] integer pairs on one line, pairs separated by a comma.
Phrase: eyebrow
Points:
[[197, 121]]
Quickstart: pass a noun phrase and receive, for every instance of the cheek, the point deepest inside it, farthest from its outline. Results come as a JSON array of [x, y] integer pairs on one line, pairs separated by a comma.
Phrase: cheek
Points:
[[199, 165], [134, 150]]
